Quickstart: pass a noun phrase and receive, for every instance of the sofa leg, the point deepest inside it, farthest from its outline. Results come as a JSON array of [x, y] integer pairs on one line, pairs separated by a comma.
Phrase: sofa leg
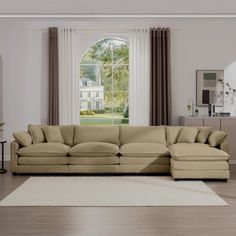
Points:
[[221, 180], [14, 173], [224, 180], [177, 180]]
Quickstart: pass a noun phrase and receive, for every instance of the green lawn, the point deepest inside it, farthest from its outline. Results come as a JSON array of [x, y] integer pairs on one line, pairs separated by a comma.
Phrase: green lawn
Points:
[[101, 119]]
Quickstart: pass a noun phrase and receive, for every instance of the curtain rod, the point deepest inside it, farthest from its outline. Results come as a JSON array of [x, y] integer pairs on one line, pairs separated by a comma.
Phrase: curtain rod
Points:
[[107, 30], [116, 31]]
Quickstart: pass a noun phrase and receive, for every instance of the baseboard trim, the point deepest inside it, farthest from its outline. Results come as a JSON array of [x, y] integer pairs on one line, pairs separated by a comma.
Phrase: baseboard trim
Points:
[[7, 158], [232, 162]]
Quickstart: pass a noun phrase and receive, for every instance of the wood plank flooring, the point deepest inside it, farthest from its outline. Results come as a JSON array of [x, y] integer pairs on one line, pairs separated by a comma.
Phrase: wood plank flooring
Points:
[[119, 221]]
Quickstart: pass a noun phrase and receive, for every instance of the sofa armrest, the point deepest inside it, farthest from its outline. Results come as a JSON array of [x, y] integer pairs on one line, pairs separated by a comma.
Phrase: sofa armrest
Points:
[[224, 146], [14, 155]]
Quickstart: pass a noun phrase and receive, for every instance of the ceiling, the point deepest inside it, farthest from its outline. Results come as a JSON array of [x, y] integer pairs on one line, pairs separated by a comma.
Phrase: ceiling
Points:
[[124, 7]]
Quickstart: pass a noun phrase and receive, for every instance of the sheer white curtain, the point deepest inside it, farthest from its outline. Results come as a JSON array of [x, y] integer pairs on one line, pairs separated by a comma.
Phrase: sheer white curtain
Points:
[[69, 112], [139, 76]]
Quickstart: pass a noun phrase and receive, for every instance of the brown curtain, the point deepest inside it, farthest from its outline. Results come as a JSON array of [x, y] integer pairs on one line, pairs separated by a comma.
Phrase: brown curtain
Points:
[[160, 92], [53, 77]]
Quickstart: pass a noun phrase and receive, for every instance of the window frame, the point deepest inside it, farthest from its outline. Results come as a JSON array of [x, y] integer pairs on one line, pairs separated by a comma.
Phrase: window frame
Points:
[[112, 65]]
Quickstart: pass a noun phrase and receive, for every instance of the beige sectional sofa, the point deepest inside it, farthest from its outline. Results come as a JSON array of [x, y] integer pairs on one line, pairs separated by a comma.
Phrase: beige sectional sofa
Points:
[[185, 152]]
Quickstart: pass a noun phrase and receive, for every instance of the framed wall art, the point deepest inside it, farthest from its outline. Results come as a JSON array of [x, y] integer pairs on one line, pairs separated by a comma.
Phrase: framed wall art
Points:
[[210, 87]]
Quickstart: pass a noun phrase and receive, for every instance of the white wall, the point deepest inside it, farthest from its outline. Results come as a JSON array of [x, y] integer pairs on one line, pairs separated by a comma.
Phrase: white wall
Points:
[[195, 44], [230, 77], [24, 65], [198, 45], [1, 94]]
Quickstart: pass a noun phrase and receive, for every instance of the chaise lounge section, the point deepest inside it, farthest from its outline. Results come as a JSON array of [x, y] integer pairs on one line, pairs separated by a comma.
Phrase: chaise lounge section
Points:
[[185, 152]]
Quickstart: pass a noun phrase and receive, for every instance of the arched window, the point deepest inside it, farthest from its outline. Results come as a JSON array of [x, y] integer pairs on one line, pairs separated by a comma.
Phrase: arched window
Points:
[[104, 75]]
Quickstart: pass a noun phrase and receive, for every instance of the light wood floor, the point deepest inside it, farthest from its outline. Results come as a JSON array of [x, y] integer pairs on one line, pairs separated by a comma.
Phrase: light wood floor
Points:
[[120, 221]]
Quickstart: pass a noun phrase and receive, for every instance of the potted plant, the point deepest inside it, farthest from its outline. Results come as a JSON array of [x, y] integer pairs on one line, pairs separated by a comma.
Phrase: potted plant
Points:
[[1, 125]]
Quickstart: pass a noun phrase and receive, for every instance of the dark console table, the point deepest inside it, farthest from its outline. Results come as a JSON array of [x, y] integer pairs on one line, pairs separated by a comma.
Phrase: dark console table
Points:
[[2, 170]]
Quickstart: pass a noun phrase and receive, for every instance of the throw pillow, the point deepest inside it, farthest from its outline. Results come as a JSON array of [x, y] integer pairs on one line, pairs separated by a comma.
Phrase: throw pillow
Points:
[[188, 135], [216, 138], [23, 138], [203, 134], [53, 134], [172, 133], [67, 132], [37, 133]]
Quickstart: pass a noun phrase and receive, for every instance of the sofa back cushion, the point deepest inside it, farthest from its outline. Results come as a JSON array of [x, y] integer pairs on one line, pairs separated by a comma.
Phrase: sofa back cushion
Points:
[[144, 150], [23, 138], [142, 134], [67, 132], [37, 133], [172, 134], [216, 138], [203, 134], [107, 134], [53, 134], [188, 135]]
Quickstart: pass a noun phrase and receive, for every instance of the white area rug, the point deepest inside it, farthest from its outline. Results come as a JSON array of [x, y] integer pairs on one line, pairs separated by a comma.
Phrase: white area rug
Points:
[[111, 191]]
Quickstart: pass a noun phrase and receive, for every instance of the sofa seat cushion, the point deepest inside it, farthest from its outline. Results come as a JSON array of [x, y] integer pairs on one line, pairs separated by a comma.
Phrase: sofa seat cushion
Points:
[[144, 160], [144, 150], [200, 174], [43, 160], [196, 152], [93, 149], [44, 150], [199, 165], [114, 160], [145, 169]]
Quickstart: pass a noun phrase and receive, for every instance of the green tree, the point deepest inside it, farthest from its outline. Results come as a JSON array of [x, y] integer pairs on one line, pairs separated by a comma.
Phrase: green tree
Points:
[[109, 58], [1, 125]]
